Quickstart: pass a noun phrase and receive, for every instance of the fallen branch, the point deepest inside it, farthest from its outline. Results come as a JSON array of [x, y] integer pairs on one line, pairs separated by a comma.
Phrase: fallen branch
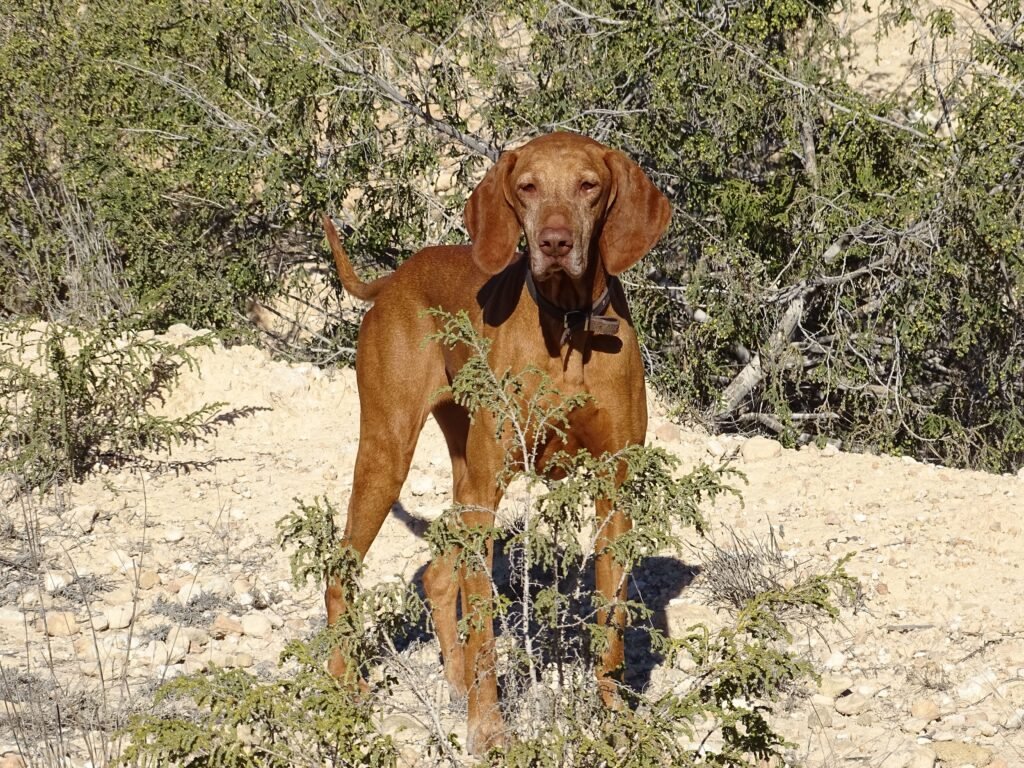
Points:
[[752, 374]]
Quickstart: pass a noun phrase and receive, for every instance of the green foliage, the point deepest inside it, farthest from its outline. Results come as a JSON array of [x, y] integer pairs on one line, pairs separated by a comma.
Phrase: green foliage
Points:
[[71, 399], [313, 534], [235, 720], [718, 716]]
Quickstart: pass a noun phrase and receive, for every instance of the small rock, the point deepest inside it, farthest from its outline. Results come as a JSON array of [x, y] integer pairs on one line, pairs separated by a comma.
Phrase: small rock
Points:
[[667, 432], [899, 759], [121, 561], [256, 625], [836, 660], [834, 686], [760, 449], [224, 625], [881, 588], [12, 760], [148, 578], [914, 725], [819, 717], [998, 762], [188, 593], [82, 519], [55, 580], [243, 659], [925, 709], [429, 512], [173, 535], [420, 484], [60, 624], [979, 687], [100, 623], [12, 618], [852, 704], [922, 757], [715, 448], [961, 753], [178, 645], [1014, 721], [198, 639], [120, 616], [218, 585]]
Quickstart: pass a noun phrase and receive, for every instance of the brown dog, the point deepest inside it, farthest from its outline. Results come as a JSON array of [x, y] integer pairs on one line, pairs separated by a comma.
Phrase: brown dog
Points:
[[588, 213]]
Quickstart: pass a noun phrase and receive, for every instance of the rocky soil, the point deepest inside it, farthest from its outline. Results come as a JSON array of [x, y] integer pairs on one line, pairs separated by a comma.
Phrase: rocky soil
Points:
[[149, 575]]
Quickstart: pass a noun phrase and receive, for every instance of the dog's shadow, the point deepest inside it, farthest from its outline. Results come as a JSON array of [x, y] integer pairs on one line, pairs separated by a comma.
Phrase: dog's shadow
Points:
[[655, 583]]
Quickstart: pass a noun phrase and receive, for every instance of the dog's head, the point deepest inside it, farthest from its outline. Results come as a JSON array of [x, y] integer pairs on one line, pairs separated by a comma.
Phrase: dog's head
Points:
[[567, 194]]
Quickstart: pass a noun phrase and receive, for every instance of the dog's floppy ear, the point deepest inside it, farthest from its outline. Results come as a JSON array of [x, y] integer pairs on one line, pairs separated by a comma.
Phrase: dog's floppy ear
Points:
[[490, 219], [637, 215]]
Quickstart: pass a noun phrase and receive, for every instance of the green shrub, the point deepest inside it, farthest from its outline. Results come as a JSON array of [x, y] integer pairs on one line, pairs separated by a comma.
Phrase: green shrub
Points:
[[71, 399]]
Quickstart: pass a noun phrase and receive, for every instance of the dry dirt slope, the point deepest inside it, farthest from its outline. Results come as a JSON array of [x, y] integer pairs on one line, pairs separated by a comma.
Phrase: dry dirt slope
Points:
[[931, 669]]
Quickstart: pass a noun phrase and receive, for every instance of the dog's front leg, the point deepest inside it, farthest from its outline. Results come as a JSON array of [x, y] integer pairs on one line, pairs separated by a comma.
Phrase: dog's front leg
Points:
[[610, 580]]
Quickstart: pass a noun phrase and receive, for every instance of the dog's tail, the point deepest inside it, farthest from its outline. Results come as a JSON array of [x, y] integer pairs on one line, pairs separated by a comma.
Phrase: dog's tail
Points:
[[347, 275]]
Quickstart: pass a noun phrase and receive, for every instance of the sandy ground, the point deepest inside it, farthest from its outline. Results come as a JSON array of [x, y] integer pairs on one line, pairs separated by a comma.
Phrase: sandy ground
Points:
[[932, 666]]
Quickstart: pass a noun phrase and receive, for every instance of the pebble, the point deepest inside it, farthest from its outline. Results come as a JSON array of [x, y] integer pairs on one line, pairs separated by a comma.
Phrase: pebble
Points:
[[12, 760], [668, 432], [834, 686], [914, 725], [121, 561], [256, 625], [420, 484], [173, 535], [961, 753], [760, 449], [836, 660], [148, 578], [120, 616], [224, 625], [56, 580], [715, 448], [189, 591], [218, 585], [852, 704], [979, 687], [82, 519], [819, 717], [925, 709], [60, 624], [922, 757]]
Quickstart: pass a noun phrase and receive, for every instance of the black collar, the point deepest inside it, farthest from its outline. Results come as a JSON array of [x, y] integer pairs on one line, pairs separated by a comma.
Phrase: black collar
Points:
[[583, 319]]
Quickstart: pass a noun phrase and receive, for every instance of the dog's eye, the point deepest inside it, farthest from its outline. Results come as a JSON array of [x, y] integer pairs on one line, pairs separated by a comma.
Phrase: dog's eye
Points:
[[528, 189], [586, 186]]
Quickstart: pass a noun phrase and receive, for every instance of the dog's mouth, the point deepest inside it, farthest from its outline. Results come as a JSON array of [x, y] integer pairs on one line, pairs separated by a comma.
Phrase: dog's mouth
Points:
[[544, 267]]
